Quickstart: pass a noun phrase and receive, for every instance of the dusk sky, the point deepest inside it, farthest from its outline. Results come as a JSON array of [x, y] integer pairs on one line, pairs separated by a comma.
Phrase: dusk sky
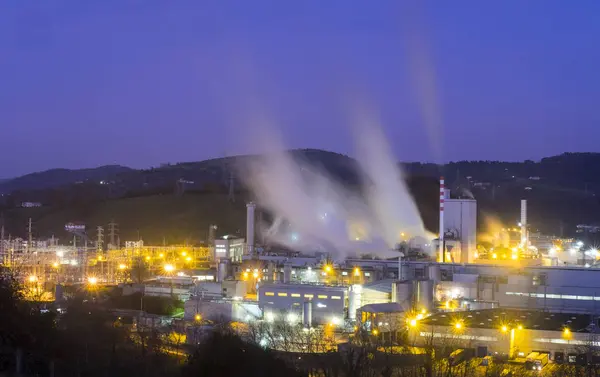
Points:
[[139, 83]]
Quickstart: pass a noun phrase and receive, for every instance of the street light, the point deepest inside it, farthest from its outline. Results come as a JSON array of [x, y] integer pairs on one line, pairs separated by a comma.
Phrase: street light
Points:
[[169, 268], [92, 280], [122, 266], [32, 278]]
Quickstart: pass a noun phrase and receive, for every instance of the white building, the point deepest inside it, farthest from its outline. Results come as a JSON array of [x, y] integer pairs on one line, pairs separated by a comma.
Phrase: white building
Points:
[[460, 218], [328, 302], [232, 248]]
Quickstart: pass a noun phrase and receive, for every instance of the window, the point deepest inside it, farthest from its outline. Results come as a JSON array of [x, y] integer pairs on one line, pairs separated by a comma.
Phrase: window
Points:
[[282, 294], [269, 294], [308, 296], [367, 274], [295, 294], [322, 296], [344, 273], [336, 297]]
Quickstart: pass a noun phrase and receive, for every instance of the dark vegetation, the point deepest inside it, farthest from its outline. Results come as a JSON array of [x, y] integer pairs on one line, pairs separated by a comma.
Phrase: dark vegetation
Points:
[[88, 340], [150, 304], [155, 205]]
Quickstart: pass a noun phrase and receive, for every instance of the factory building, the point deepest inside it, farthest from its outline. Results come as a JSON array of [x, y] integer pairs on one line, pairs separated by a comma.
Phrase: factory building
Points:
[[458, 228], [230, 248], [328, 303], [514, 333], [218, 310]]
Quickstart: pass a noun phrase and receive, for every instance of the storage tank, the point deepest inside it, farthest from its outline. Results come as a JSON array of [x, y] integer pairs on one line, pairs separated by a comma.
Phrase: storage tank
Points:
[[222, 270], [402, 293], [354, 299], [434, 273], [287, 273], [423, 294], [406, 272], [307, 314], [270, 272]]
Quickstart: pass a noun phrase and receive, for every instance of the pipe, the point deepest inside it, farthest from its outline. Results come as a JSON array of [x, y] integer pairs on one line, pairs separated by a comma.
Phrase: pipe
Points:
[[250, 207], [524, 239], [441, 236]]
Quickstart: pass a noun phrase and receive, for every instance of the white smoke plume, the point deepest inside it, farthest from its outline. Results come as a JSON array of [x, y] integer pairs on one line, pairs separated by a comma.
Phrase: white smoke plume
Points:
[[387, 196], [313, 212]]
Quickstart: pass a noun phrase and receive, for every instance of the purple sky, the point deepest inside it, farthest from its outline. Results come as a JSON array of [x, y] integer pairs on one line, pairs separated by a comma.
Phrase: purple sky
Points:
[[138, 83]]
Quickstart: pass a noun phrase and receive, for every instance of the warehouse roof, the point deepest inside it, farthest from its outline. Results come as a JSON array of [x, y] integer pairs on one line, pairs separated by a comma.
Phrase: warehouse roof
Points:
[[390, 307], [499, 317]]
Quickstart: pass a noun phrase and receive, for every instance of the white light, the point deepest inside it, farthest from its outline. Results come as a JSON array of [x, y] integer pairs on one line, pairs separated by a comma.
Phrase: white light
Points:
[[520, 224], [263, 342], [579, 243], [292, 318], [336, 321], [60, 253], [73, 262], [320, 305], [269, 316]]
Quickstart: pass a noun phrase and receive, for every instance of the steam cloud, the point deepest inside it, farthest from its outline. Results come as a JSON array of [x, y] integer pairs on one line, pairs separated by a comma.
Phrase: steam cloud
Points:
[[313, 212]]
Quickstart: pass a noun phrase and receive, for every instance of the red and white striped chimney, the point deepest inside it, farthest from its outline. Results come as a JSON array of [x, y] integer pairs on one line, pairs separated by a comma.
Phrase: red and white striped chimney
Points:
[[441, 238]]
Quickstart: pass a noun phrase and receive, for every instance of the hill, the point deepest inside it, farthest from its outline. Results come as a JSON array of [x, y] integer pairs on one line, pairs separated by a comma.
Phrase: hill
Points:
[[179, 201], [61, 177]]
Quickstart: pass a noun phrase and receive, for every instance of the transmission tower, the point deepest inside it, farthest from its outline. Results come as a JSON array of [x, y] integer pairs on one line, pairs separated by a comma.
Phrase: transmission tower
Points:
[[113, 233], [2, 233], [100, 239], [29, 236]]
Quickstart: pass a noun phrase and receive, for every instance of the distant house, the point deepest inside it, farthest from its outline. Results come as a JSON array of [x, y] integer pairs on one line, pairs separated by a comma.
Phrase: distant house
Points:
[[31, 204], [536, 178]]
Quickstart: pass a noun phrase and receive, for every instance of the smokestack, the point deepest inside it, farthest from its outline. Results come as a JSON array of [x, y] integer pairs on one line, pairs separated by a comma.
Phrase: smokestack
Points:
[[442, 196], [250, 207], [524, 238]]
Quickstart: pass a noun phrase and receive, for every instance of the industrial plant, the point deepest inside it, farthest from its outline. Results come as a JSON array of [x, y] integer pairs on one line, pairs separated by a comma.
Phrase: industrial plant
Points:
[[525, 293]]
